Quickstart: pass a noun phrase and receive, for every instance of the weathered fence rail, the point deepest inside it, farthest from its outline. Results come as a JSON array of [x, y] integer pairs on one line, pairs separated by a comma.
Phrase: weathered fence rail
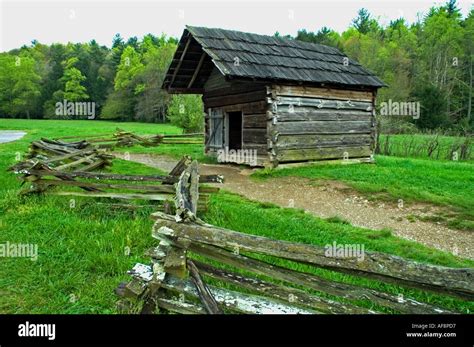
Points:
[[123, 138], [200, 268], [69, 166]]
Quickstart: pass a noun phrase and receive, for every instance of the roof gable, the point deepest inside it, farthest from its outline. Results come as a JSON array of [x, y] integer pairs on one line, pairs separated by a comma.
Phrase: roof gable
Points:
[[242, 55]]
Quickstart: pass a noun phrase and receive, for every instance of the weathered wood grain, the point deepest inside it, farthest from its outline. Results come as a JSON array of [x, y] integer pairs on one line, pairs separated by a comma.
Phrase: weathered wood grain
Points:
[[125, 196], [233, 99], [288, 155], [233, 300], [391, 269], [257, 136], [331, 93], [311, 115], [320, 284], [255, 120], [323, 127], [323, 103], [321, 140], [285, 294], [207, 299]]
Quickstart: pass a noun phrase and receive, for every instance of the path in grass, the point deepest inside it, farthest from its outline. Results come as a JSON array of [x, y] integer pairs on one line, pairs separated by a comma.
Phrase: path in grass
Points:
[[326, 198]]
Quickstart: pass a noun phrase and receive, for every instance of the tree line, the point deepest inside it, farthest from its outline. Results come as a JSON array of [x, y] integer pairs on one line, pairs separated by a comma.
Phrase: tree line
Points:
[[430, 61]]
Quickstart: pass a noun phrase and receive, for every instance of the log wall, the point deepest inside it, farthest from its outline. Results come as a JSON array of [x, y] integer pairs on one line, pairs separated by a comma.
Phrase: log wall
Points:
[[310, 123], [248, 97], [288, 124]]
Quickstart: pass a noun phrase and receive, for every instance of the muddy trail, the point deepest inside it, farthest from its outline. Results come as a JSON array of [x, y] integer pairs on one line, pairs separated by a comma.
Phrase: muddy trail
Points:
[[328, 199]]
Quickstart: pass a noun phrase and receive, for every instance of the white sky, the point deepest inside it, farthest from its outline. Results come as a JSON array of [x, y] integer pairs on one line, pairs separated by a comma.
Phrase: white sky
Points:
[[22, 21]]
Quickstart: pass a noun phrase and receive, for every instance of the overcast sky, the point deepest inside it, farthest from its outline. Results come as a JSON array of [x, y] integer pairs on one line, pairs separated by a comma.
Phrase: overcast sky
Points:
[[80, 21]]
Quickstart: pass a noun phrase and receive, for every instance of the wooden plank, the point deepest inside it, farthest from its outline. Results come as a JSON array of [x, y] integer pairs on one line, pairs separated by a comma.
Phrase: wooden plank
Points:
[[242, 98], [216, 81], [323, 127], [179, 306], [290, 165], [184, 207], [233, 300], [321, 140], [175, 262], [48, 148], [88, 159], [320, 284], [180, 60], [286, 294], [257, 136], [194, 186], [134, 289], [198, 68], [308, 114], [329, 93], [126, 196], [262, 149], [380, 266], [179, 168], [207, 299], [255, 120], [323, 103], [233, 88], [99, 175], [271, 121], [251, 107], [70, 155], [345, 152], [166, 189], [39, 170]]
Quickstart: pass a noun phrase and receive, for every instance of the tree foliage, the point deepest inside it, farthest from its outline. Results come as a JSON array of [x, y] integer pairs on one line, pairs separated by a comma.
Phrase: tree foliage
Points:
[[185, 111], [430, 61]]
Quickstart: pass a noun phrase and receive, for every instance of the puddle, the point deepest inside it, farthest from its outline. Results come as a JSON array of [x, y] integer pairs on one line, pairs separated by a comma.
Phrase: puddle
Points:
[[10, 135]]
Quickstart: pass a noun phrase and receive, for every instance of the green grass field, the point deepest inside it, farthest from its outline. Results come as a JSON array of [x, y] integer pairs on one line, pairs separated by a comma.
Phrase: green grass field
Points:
[[82, 254]]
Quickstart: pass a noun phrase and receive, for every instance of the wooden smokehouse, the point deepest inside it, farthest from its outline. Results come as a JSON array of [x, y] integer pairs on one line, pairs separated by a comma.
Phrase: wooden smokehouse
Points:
[[285, 100]]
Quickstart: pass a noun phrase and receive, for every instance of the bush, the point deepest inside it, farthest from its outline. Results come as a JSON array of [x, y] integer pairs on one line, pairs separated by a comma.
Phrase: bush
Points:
[[186, 111]]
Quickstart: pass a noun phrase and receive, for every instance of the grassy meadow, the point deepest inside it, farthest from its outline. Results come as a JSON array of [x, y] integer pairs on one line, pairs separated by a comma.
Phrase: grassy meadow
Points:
[[82, 254]]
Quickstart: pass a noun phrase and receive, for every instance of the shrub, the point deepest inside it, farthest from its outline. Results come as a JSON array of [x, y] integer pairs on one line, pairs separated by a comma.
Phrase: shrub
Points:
[[186, 111]]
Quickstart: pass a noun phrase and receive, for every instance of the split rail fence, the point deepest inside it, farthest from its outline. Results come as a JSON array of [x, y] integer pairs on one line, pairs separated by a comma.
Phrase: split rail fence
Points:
[[68, 169], [198, 268]]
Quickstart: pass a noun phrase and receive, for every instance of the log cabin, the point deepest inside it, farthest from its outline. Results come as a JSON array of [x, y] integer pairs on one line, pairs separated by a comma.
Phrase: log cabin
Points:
[[281, 100]]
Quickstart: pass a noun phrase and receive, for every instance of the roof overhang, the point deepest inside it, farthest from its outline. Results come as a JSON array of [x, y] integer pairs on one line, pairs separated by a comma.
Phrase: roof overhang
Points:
[[189, 69]]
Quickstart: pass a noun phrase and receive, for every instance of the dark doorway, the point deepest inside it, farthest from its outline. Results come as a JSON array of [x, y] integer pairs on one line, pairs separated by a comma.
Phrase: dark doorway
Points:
[[235, 130]]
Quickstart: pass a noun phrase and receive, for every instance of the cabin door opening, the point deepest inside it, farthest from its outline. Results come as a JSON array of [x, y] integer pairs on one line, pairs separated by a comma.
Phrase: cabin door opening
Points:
[[235, 130]]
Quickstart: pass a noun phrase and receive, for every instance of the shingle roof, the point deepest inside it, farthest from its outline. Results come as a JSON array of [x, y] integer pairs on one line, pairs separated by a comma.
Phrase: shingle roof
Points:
[[245, 55]]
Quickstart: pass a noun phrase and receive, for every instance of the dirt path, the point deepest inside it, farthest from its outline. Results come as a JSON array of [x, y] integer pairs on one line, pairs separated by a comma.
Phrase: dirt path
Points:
[[332, 198]]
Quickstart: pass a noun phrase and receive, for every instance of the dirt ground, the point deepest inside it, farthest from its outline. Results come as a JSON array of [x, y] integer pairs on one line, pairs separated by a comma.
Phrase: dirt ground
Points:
[[332, 198]]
